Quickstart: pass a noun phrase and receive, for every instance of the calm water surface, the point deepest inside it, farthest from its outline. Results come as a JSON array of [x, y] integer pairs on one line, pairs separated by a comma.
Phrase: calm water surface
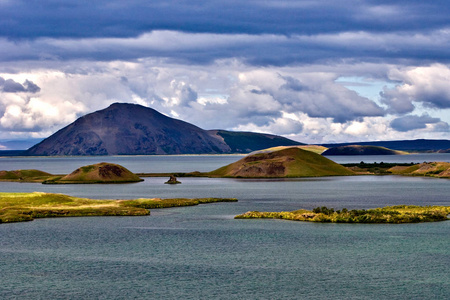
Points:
[[203, 253], [182, 163]]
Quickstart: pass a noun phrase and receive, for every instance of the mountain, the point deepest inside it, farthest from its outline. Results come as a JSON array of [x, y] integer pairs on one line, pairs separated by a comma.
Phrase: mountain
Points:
[[360, 150], [420, 145], [290, 162], [132, 129]]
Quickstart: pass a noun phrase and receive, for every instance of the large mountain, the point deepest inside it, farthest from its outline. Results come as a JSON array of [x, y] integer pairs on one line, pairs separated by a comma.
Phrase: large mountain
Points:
[[124, 128]]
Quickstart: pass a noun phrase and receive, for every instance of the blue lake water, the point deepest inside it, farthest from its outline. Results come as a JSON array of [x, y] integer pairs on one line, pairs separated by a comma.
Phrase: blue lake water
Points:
[[201, 252]]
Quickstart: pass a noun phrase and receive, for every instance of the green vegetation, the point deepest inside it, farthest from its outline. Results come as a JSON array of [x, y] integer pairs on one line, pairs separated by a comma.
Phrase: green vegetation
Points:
[[18, 207], [24, 175], [390, 214], [432, 169], [381, 168], [290, 162]]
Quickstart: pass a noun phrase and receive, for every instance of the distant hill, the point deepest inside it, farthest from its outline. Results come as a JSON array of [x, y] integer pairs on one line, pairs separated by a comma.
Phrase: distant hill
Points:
[[360, 150], [20, 144], [290, 162], [420, 145], [132, 129]]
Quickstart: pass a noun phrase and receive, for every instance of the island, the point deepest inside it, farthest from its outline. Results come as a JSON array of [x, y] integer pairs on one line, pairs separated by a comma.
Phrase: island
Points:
[[389, 214], [19, 207]]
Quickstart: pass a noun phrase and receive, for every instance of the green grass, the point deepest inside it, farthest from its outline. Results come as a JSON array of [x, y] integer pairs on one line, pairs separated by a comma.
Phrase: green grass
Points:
[[18, 207], [390, 214], [24, 175]]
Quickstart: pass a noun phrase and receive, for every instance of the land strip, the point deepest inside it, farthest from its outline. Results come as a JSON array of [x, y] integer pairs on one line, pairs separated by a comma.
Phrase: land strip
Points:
[[19, 207], [390, 214]]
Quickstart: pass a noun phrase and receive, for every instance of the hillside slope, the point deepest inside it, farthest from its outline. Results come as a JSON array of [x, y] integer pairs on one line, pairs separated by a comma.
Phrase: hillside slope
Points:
[[290, 162]]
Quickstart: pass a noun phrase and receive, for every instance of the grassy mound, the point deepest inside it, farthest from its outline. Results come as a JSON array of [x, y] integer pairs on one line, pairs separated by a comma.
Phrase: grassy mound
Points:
[[99, 173], [23, 175], [361, 150], [390, 214], [290, 162], [18, 207]]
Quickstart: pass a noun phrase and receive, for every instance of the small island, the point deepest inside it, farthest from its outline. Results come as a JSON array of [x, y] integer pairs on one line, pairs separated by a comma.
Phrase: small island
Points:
[[389, 214], [172, 180], [19, 207], [97, 173]]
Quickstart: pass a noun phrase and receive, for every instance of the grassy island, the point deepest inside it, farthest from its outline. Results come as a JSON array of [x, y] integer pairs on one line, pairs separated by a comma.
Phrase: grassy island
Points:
[[289, 162], [19, 207], [390, 214]]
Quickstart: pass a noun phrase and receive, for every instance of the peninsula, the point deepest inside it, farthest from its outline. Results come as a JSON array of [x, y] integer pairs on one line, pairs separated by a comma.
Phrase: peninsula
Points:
[[19, 207]]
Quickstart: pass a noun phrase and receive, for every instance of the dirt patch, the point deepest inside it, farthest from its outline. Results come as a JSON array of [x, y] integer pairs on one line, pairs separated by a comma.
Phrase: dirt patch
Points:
[[108, 171]]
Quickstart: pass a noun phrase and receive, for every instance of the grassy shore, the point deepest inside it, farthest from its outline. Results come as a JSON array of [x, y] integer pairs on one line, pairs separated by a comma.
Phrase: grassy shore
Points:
[[390, 214], [19, 207]]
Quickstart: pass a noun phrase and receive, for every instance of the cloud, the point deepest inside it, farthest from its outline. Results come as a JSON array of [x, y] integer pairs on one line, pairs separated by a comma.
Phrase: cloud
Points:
[[258, 50], [315, 94], [11, 86], [413, 122], [279, 126], [114, 18], [272, 66], [426, 85]]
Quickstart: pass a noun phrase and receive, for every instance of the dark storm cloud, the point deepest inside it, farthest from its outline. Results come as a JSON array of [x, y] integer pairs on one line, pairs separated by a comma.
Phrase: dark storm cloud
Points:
[[106, 18], [413, 122], [269, 32], [11, 86], [307, 31]]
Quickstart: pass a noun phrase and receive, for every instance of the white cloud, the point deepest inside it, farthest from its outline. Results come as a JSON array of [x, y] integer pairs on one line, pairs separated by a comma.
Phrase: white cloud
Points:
[[305, 103], [426, 85]]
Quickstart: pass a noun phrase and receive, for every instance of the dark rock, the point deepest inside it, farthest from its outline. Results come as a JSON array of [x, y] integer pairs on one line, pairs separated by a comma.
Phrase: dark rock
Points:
[[172, 180]]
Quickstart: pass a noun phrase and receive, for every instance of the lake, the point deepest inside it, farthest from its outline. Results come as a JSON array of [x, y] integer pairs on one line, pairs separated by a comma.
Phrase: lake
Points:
[[201, 252]]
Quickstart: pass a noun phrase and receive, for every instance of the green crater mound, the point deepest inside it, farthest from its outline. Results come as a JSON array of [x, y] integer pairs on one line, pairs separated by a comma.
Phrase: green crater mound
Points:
[[99, 173], [290, 162], [360, 150]]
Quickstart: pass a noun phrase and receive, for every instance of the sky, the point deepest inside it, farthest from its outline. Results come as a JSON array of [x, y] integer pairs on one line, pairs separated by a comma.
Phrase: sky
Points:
[[319, 71]]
